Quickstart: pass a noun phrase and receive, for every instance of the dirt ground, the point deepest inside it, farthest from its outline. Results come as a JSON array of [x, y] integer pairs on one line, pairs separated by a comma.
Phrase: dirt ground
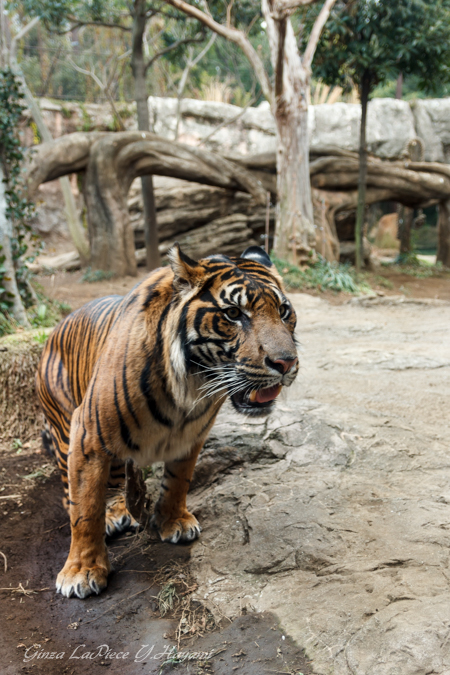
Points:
[[35, 538], [67, 286], [317, 525]]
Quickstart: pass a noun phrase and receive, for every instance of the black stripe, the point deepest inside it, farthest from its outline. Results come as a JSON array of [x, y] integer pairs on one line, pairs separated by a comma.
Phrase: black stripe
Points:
[[100, 436], [145, 385], [125, 389], [124, 430]]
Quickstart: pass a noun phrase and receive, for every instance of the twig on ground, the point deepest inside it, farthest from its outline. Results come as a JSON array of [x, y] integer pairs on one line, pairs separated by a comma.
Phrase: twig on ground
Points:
[[55, 528], [5, 560], [24, 591]]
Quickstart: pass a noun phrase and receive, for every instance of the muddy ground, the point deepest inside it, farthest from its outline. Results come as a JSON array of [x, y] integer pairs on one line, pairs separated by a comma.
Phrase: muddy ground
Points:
[[126, 619], [325, 528]]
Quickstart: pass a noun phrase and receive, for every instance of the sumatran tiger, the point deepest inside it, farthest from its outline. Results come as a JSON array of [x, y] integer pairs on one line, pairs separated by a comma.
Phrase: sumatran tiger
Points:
[[144, 376]]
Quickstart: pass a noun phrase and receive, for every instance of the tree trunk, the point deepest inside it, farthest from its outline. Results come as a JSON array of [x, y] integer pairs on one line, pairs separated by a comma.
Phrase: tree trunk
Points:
[[105, 190], [9, 279], [362, 177], [443, 252], [405, 230], [115, 160], [73, 221], [399, 87], [294, 231], [139, 71]]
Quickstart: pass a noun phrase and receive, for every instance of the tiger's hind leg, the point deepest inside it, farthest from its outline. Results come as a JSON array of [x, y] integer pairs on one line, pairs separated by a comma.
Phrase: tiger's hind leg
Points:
[[55, 447], [117, 517]]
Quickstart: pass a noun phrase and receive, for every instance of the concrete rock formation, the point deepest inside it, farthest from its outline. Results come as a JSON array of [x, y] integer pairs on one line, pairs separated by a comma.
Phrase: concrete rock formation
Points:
[[333, 513], [392, 124]]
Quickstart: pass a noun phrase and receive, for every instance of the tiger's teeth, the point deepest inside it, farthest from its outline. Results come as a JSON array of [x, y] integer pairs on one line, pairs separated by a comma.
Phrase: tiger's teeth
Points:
[[252, 397]]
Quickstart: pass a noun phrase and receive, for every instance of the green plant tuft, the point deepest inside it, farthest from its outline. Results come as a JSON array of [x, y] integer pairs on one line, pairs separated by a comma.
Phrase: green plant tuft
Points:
[[414, 267], [321, 275], [92, 276], [166, 598]]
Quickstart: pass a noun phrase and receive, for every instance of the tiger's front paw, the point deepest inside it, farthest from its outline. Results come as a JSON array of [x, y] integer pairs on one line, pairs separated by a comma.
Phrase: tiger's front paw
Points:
[[76, 580], [117, 517], [182, 528]]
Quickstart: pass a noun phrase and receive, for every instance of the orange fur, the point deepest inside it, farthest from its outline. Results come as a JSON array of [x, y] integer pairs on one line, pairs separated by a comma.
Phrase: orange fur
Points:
[[144, 376]]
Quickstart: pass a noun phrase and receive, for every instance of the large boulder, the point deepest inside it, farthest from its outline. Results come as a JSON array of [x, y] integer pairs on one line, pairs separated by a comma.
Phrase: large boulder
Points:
[[390, 127], [252, 130], [432, 122], [243, 131]]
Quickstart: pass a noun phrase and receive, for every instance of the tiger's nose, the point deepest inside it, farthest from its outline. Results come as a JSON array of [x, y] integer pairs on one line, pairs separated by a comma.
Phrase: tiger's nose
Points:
[[282, 365]]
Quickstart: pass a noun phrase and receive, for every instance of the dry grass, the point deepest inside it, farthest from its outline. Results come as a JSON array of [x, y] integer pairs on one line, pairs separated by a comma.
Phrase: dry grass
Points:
[[175, 597], [20, 414], [177, 585]]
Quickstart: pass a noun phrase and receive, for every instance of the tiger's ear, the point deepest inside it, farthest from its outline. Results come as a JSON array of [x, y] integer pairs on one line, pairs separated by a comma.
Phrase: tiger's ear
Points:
[[257, 254], [187, 273]]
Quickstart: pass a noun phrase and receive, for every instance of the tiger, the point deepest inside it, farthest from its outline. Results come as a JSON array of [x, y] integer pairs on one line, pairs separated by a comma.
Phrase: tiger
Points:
[[143, 376]]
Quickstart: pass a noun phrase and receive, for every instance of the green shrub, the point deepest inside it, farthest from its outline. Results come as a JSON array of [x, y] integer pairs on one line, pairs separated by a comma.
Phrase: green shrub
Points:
[[321, 275], [92, 276]]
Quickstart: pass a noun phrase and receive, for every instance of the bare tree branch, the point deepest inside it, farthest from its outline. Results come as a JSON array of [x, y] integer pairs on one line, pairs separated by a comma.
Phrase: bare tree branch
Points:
[[204, 50], [233, 35], [229, 8], [190, 63], [79, 24], [174, 45], [21, 34], [104, 88], [226, 123], [291, 5], [315, 33]]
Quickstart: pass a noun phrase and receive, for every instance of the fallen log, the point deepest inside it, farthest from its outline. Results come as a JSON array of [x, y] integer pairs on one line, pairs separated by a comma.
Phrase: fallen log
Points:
[[111, 162], [229, 235]]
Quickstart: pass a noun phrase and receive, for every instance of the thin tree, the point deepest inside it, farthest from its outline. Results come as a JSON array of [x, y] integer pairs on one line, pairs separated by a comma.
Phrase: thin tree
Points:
[[15, 209], [367, 41], [131, 18], [287, 94], [9, 48]]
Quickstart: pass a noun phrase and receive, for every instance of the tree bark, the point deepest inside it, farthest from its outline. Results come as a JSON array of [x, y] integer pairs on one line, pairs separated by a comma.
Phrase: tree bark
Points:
[[399, 87], [294, 231], [73, 221], [405, 230], [9, 279], [443, 252], [295, 235], [364, 96], [139, 73]]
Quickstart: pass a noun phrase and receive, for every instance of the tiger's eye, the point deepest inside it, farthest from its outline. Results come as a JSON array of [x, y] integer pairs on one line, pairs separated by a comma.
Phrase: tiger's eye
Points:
[[233, 312], [284, 311]]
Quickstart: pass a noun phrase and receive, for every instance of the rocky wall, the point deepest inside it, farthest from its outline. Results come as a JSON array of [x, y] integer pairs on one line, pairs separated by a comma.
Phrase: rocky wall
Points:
[[391, 124]]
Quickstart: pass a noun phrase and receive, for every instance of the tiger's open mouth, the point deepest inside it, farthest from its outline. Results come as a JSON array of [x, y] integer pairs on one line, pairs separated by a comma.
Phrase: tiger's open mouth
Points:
[[256, 402]]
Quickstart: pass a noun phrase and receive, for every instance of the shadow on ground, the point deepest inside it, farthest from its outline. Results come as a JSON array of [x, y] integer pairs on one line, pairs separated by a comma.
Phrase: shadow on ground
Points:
[[42, 632]]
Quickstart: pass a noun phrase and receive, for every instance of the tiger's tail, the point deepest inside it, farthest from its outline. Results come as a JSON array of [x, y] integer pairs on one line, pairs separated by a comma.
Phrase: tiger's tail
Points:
[[47, 441]]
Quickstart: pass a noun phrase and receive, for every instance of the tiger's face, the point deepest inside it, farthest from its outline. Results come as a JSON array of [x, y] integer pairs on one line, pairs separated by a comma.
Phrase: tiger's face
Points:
[[236, 327]]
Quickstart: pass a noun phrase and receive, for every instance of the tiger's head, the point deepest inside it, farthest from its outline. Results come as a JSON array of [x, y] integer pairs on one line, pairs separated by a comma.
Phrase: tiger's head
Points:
[[235, 327]]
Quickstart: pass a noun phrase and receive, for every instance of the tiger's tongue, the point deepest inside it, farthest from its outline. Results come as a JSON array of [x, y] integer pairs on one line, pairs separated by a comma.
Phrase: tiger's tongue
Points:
[[265, 395]]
